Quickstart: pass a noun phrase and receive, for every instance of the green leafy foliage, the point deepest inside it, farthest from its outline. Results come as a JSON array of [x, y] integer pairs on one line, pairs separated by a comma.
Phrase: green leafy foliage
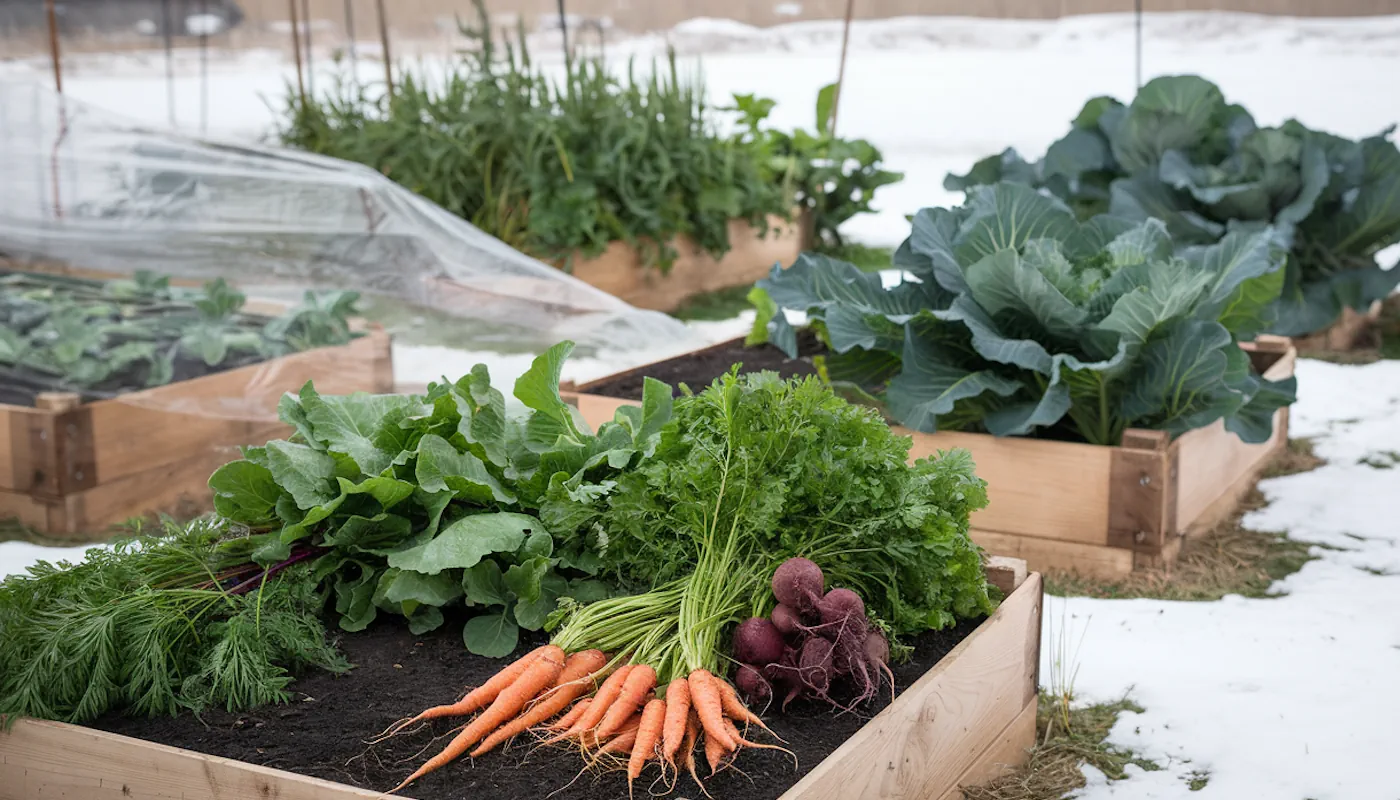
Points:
[[1180, 153], [831, 178], [551, 168], [102, 337], [422, 502], [1020, 320], [748, 473], [152, 627]]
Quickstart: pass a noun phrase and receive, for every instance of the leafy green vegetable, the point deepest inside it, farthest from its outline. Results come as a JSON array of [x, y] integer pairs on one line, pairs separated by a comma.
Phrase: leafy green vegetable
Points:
[[419, 502], [748, 473], [156, 625], [1021, 320], [833, 179], [1180, 153], [95, 337]]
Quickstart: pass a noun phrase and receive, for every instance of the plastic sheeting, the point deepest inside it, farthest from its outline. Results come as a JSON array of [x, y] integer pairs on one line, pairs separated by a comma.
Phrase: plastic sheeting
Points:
[[89, 190]]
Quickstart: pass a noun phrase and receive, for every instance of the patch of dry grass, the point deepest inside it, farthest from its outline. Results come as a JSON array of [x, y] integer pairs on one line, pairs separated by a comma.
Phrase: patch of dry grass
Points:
[[1066, 738], [1231, 559]]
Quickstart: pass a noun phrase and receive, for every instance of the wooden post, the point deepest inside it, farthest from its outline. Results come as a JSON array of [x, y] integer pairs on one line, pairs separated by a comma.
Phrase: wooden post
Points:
[[384, 43], [296, 50], [52, 11], [841, 71]]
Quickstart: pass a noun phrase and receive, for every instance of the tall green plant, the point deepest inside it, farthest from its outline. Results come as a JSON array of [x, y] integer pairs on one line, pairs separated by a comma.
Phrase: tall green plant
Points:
[[1021, 320], [1180, 153], [831, 178], [550, 167]]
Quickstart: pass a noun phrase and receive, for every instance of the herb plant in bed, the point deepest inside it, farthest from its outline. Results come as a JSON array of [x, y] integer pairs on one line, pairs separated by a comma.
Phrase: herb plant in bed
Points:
[[120, 396], [639, 547], [1073, 359], [1181, 153]]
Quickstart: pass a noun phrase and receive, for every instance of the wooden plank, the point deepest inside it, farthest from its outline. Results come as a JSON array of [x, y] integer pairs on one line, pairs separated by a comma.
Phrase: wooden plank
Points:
[[1043, 554], [1139, 488], [1005, 573], [941, 726], [1004, 755], [40, 759], [620, 270]]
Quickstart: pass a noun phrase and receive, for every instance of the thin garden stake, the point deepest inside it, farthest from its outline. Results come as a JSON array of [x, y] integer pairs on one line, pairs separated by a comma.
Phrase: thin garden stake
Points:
[[1137, 19], [51, 11], [167, 25], [841, 71], [296, 51], [564, 29], [350, 35], [384, 43], [310, 67], [203, 67], [52, 14]]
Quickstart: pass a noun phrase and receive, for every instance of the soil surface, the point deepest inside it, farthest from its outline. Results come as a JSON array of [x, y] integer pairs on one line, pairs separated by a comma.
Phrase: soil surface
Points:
[[698, 370], [323, 731]]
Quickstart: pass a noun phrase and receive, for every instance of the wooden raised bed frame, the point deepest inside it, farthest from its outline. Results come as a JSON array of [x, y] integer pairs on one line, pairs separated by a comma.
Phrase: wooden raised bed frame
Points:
[[72, 470], [619, 270], [966, 721], [1098, 511]]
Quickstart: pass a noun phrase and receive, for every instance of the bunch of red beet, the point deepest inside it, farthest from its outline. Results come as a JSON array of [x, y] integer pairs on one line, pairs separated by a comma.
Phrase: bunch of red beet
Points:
[[813, 642]]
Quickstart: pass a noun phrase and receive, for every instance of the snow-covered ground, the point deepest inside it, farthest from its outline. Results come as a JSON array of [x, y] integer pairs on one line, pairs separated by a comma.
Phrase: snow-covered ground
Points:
[[1286, 698]]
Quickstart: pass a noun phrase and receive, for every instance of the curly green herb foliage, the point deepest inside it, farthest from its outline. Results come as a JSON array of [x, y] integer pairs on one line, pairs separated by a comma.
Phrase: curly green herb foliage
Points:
[[750, 472], [1020, 320], [550, 167], [71, 334], [1182, 154], [831, 178], [430, 501], [154, 625]]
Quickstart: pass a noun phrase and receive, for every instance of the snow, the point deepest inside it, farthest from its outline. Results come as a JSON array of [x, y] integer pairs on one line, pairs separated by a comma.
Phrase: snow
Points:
[[1289, 697]]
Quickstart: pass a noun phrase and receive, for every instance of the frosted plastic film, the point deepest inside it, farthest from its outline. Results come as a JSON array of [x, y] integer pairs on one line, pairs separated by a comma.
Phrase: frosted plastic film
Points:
[[91, 191]]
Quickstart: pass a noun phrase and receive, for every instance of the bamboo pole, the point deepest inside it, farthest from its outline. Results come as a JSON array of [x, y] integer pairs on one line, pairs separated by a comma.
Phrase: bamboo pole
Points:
[[51, 10], [296, 51], [384, 43], [841, 71]]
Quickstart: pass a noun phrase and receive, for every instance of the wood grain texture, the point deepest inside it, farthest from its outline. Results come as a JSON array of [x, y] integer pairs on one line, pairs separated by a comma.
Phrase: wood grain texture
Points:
[[1043, 555], [1005, 573], [1005, 754], [922, 744], [621, 271], [41, 759]]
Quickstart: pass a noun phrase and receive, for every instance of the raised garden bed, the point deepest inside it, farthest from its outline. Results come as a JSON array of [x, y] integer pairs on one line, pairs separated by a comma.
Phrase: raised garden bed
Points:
[[1099, 511], [1351, 331], [965, 713], [69, 468], [622, 272]]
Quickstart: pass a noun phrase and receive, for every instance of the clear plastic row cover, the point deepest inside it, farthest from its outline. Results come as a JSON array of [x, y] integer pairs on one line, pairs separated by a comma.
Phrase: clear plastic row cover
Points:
[[85, 188]]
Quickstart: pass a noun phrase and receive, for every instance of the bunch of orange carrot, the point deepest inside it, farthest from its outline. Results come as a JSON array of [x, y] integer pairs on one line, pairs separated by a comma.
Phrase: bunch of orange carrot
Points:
[[611, 712]]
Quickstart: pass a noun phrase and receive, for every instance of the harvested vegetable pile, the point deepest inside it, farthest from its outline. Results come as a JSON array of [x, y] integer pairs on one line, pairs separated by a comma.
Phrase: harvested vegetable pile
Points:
[[99, 338], [748, 474]]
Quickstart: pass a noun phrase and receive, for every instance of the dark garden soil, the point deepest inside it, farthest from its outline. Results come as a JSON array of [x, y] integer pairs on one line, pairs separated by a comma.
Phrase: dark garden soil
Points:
[[698, 370], [323, 731]]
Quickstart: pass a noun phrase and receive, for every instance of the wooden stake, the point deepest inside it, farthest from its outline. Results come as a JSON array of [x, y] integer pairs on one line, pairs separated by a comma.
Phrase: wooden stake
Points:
[[384, 43], [50, 8], [296, 51], [841, 71]]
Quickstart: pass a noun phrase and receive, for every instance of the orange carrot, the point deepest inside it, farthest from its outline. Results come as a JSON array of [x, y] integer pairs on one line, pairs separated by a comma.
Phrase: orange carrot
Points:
[[576, 668], [735, 708], [607, 694], [567, 721], [739, 737], [692, 732], [677, 712], [475, 699], [543, 671], [639, 681], [648, 736], [714, 752], [706, 698], [623, 742]]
